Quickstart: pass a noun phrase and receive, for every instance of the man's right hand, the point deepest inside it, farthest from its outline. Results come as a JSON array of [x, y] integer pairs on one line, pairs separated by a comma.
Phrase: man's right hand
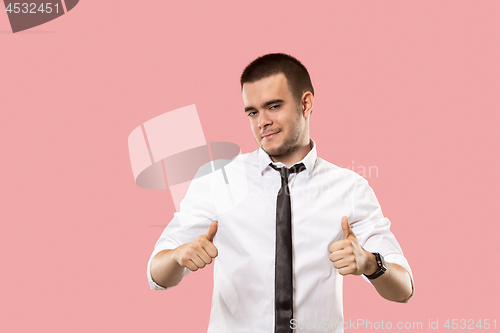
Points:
[[198, 253]]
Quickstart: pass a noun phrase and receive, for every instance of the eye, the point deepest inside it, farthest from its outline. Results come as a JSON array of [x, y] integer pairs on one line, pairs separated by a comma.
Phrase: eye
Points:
[[275, 107], [251, 113]]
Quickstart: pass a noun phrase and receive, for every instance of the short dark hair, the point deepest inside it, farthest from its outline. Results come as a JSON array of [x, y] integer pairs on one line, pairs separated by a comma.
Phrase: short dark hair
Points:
[[274, 63]]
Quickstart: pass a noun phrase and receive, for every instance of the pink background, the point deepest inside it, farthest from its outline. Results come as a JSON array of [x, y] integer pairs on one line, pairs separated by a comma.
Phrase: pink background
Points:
[[411, 87]]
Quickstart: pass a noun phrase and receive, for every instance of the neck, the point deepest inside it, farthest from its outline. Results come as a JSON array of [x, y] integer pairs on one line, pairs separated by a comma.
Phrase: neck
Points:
[[294, 156]]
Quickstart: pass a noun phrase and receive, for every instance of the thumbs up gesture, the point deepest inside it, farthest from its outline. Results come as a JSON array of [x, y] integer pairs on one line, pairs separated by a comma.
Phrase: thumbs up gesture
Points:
[[198, 253], [349, 257]]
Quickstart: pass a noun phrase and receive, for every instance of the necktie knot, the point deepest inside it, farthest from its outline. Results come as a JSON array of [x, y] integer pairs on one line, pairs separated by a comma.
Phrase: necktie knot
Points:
[[285, 172]]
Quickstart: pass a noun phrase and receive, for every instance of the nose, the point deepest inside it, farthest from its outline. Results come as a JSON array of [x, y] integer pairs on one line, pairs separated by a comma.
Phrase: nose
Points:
[[264, 120]]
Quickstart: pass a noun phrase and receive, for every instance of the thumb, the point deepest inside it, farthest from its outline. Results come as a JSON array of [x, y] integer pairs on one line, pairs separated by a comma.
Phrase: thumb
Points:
[[212, 230], [346, 227]]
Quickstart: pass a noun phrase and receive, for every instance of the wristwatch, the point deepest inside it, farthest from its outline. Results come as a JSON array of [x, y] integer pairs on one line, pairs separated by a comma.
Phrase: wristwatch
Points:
[[381, 267]]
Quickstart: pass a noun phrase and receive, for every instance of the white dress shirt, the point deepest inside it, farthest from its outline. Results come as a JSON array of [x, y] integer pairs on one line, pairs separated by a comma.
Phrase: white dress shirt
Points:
[[242, 198]]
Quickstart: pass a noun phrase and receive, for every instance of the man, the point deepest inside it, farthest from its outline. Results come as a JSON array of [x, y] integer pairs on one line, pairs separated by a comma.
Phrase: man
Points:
[[289, 224]]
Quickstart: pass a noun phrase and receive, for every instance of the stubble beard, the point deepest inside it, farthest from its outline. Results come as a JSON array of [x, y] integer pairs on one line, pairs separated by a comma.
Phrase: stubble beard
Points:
[[289, 146]]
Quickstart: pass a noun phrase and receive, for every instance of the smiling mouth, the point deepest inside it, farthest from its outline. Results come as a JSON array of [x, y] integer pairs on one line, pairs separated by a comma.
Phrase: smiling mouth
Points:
[[270, 135]]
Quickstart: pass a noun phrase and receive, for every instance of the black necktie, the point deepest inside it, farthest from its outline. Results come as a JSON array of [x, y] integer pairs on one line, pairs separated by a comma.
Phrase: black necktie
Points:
[[283, 261]]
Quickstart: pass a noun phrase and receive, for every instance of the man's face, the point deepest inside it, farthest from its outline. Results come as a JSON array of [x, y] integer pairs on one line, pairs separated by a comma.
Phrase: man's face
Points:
[[274, 116]]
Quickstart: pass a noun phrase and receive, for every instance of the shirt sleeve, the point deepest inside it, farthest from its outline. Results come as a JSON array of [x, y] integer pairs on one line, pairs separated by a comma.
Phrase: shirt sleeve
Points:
[[193, 219], [373, 229]]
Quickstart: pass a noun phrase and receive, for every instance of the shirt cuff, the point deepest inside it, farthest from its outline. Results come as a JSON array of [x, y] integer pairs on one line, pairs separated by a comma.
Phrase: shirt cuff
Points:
[[152, 284]]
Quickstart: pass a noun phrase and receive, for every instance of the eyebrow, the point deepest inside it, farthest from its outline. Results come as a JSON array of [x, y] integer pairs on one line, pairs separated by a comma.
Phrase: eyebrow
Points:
[[273, 101]]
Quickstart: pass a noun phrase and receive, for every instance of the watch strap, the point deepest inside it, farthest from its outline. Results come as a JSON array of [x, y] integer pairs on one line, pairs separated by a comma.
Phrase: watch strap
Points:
[[381, 267]]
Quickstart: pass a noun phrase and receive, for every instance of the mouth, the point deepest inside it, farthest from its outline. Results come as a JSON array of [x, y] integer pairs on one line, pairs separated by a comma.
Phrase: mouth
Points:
[[270, 135]]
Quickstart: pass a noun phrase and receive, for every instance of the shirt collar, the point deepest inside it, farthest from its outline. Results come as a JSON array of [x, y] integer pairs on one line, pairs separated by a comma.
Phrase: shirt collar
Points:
[[309, 160]]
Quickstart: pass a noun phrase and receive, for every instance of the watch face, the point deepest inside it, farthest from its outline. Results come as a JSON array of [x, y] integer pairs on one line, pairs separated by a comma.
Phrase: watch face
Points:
[[380, 260]]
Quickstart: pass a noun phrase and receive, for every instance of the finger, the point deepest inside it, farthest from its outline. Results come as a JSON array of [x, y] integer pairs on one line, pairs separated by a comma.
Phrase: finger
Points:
[[346, 227], [344, 262], [187, 262], [340, 264], [339, 245], [349, 269], [207, 259], [191, 266], [212, 230], [339, 255], [211, 250], [198, 261]]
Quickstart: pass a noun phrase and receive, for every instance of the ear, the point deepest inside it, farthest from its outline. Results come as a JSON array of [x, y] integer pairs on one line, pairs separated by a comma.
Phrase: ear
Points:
[[307, 102]]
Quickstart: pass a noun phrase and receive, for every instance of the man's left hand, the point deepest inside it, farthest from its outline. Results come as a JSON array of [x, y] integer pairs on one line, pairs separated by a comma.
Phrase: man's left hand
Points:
[[349, 257]]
